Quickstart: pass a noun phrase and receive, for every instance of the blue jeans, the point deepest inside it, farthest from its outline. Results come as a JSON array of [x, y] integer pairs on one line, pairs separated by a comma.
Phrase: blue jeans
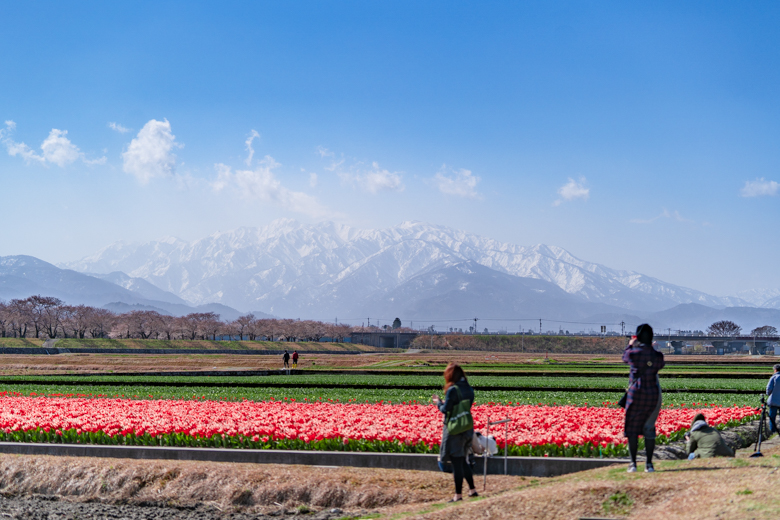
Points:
[[773, 419]]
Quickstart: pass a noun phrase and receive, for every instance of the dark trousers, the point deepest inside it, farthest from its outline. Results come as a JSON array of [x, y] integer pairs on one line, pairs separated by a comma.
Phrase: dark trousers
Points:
[[773, 419], [459, 470]]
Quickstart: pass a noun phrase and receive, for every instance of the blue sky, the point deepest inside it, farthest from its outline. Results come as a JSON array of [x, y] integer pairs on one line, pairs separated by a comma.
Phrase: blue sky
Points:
[[642, 137]]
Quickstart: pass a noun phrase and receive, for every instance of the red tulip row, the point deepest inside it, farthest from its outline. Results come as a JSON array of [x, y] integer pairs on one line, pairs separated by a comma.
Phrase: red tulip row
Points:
[[534, 430]]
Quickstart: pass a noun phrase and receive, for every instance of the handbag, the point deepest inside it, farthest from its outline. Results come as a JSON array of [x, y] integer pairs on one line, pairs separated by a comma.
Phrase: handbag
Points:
[[476, 446], [459, 420]]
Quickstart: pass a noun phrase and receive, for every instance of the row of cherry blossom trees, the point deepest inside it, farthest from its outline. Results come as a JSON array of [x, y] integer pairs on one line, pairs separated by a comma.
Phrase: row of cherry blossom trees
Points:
[[47, 317]]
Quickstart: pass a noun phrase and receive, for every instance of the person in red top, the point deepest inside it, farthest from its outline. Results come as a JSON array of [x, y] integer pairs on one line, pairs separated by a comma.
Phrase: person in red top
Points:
[[295, 359]]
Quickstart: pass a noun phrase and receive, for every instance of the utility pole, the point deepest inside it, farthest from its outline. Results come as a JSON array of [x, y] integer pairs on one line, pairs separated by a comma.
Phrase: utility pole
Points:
[[475, 325], [622, 328], [540, 326], [369, 323]]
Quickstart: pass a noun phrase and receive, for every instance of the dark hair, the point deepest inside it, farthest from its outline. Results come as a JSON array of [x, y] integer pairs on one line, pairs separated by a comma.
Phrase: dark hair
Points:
[[777, 367], [644, 333], [452, 374], [698, 417]]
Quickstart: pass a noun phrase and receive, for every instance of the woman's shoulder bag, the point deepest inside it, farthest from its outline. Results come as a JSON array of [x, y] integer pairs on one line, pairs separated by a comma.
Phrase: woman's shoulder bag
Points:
[[459, 420]]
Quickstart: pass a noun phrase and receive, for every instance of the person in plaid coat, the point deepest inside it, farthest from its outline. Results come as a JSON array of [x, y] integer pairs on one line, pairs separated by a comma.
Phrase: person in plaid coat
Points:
[[644, 393]]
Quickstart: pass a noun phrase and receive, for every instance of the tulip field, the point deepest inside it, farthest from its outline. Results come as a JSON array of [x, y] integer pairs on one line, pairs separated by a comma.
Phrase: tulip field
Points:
[[551, 416], [287, 424]]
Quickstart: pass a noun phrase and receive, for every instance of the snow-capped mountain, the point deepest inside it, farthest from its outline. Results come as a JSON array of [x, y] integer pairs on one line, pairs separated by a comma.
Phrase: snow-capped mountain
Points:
[[326, 270], [769, 298]]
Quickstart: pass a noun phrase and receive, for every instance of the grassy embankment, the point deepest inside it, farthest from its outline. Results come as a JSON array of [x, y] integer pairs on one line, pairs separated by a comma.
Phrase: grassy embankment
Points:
[[106, 343]]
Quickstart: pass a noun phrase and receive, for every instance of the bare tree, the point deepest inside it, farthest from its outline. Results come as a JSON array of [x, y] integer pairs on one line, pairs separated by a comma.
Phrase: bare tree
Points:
[[38, 306], [763, 332], [20, 315], [210, 326], [724, 328], [242, 324], [144, 324], [199, 324], [100, 322], [51, 310], [5, 319], [228, 329], [77, 320], [169, 327]]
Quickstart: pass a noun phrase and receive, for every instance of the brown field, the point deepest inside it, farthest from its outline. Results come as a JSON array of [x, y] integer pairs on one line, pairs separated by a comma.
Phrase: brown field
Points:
[[17, 364]]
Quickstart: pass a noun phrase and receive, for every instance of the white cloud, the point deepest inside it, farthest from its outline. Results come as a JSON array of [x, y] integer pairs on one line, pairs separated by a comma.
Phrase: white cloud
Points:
[[313, 180], [665, 214], [375, 180], [118, 128], [324, 152], [759, 187], [573, 190], [334, 163], [150, 154], [10, 126], [261, 184], [462, 183], [23, 151], [57, 148], [251, 151]]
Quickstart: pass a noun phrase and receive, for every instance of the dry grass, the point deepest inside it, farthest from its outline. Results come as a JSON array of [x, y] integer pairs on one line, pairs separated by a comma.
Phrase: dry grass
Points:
[[244, 486], [736, 489], [715, 488]]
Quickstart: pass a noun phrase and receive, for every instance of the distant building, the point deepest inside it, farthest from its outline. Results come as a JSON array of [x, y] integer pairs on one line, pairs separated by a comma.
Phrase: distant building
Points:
[[385, 339]]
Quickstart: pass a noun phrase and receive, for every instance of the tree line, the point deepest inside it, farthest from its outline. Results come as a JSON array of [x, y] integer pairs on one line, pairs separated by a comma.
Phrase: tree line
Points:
[[48, 317], [729, 328]]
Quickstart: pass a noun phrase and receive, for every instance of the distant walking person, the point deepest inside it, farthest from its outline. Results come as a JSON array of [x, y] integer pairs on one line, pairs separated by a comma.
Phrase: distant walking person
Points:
[[286, 359], [773, 391], [454, 446], [643, 401], [295, 359]]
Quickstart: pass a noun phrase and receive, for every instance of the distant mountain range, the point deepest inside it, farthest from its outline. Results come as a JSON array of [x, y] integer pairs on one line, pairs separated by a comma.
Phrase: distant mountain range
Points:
[[416, 271], [23, 276]]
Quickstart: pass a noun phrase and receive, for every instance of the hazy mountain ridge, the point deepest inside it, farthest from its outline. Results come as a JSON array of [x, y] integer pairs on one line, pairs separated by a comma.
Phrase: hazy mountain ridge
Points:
[[322, 270], [22, 276]]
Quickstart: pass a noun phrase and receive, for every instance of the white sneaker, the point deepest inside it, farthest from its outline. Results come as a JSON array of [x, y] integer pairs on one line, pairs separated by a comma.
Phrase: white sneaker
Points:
[[632, 468]]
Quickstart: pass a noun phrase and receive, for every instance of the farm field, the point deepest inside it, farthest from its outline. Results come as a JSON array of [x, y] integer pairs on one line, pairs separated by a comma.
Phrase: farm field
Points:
[[754, 383], [402, 362], [283, 424], [579, 394]]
